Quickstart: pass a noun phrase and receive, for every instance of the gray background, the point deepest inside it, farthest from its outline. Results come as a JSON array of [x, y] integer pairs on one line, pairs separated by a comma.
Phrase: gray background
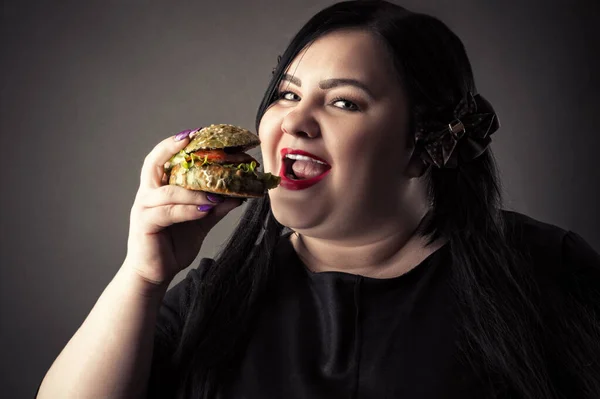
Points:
[[88, 88]]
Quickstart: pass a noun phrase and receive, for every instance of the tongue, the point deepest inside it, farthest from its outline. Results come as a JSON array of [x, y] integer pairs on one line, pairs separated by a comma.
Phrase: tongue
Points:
[[308, 169]]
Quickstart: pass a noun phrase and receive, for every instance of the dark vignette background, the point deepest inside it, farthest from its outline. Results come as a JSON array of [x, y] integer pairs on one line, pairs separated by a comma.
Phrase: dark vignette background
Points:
[[88, 88]]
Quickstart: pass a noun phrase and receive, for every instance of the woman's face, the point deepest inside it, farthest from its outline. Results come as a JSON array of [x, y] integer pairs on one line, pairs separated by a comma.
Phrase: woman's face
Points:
[[341, 101]]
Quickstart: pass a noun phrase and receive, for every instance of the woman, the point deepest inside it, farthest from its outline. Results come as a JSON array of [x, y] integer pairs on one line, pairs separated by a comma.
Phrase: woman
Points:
[[394, 275]]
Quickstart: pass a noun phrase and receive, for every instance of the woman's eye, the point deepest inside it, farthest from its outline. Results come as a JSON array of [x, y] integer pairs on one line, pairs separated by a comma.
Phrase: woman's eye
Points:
[[288, 95], [345, 104]]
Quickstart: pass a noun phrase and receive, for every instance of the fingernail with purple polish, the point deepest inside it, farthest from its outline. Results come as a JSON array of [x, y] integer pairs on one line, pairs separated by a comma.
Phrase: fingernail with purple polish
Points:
[[205, 208], [183, 134], [215, 198]]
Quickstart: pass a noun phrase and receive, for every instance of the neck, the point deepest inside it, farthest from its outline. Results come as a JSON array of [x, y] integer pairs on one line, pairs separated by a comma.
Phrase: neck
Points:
[[385, 253]]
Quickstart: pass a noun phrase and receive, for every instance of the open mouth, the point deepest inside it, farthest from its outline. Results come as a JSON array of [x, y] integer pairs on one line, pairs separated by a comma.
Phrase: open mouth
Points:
[[299, 166], [300, 169]]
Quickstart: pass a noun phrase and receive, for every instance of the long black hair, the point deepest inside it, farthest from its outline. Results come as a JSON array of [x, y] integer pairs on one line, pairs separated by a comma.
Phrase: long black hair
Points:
[[504, 333]]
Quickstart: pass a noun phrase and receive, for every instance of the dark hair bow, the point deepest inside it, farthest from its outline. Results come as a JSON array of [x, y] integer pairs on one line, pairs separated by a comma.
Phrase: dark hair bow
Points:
[[474, 122]]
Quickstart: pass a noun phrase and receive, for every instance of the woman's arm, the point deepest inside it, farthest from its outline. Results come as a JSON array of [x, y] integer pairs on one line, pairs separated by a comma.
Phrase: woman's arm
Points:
[[110, 355]]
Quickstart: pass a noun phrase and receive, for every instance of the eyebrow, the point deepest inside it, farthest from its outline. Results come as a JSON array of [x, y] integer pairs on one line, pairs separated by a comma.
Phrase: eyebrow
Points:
[[330, 83]]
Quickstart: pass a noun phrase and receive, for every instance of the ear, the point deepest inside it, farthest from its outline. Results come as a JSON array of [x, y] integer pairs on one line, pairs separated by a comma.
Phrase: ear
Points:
[[416, 166]]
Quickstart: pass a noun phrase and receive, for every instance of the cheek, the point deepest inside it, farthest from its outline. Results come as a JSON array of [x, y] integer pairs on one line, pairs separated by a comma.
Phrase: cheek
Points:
[[363, 143], [269, 134], [378, 146], [268, 161]]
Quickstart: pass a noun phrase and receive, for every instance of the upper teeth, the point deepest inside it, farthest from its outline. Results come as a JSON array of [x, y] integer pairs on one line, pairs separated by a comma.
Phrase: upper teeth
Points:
[[298, 157]]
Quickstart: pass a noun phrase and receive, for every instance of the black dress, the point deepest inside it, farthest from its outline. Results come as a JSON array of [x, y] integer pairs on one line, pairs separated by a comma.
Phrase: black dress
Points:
[[336, 335]]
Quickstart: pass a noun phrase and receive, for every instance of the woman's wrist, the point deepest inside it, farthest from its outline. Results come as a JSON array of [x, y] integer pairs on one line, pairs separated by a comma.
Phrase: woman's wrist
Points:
[[140, 285]]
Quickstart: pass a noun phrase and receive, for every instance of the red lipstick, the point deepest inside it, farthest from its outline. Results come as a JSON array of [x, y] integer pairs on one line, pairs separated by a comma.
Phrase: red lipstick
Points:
[[292, 184]]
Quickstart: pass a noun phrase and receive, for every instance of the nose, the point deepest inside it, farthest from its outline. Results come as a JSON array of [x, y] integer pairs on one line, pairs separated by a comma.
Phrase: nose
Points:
[[301, 123]]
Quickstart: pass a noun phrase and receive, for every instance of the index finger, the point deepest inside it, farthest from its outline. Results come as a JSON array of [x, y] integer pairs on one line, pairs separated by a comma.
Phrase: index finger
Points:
[[153, 167]]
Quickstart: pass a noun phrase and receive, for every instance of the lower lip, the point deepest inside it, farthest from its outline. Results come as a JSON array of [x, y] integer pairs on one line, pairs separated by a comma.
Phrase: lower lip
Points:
[[290, 184]]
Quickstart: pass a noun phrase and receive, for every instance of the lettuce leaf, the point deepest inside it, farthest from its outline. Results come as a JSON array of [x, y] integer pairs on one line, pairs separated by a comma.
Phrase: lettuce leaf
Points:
[[271, 181], [247, 167], [175, 160]]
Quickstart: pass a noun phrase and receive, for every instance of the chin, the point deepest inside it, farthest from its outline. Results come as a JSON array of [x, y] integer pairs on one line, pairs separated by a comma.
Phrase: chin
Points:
[[293, 213]]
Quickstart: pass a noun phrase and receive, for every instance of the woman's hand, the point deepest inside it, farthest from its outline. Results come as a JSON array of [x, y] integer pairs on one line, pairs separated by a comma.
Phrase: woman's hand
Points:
[[169, 223]]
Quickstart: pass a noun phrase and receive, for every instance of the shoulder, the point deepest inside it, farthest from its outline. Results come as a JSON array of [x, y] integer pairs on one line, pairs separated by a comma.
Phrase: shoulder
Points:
[[550, 247], [532, 231]]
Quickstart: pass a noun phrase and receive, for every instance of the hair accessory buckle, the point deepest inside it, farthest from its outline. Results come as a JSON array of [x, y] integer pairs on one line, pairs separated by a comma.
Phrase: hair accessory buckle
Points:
[[457, 129]]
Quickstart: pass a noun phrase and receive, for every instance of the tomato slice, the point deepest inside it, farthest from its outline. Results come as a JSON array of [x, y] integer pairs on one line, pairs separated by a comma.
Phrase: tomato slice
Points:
[[221, 157]]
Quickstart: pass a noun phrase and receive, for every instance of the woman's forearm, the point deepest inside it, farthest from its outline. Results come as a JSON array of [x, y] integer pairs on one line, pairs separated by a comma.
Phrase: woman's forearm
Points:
[[110, 354]]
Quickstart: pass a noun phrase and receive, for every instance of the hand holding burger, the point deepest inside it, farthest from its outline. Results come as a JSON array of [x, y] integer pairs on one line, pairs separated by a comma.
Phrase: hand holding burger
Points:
[[169, 222]]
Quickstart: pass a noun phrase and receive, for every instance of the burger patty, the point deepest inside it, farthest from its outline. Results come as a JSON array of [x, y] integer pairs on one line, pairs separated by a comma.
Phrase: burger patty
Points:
[[219, 179]]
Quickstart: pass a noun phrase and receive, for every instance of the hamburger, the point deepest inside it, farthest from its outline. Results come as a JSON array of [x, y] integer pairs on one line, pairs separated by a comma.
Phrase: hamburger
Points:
[[215, 161]]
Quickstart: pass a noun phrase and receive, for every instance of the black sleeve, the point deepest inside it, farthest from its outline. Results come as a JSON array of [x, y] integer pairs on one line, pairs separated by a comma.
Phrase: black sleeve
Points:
[[170, 321], [579, 254], [582, 264]]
